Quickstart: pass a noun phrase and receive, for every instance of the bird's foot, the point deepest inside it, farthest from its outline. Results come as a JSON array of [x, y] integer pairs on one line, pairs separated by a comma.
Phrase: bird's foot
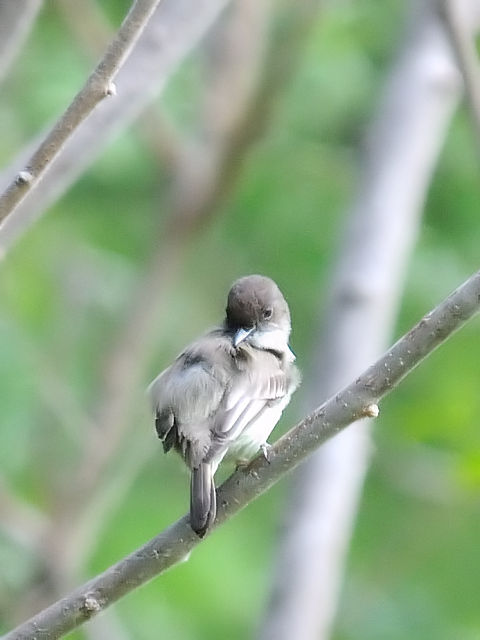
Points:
[[266, 450], [241, 464]]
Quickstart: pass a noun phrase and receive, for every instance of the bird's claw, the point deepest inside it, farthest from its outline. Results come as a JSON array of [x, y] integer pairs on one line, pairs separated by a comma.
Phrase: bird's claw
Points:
[[241, 464], [266, 450]]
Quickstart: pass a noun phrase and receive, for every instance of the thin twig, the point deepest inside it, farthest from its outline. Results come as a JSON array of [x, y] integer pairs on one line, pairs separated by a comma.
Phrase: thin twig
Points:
[[461, 29], [98, 86], [357, 400], [166, 41]]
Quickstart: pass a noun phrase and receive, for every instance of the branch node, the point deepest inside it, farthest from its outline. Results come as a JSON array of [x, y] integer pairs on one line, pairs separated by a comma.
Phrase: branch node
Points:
[[24, 177], [111, 89], [371, 411], [91, 605]]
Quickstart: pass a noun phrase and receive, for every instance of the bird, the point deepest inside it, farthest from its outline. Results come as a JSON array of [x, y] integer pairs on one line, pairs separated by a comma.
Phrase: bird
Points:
[[225, 392]]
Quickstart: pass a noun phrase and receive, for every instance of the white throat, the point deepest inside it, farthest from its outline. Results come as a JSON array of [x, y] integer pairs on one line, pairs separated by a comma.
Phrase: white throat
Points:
[[274, 339]]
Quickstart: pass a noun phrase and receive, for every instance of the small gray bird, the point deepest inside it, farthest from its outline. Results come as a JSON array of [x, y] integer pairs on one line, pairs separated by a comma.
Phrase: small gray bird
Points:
[[226, 391]]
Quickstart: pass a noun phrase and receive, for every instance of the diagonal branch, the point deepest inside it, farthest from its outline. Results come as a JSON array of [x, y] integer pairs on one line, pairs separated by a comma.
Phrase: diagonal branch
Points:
[[166, 41], [355, 401], [98, 86]]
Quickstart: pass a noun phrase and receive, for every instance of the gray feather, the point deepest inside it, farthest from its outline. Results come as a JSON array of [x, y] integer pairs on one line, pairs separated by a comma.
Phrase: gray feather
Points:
[[203, 504], [164, 421]]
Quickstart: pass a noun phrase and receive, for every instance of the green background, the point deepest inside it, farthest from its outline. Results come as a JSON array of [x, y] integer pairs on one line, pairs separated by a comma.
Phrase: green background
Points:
[[414, 566]]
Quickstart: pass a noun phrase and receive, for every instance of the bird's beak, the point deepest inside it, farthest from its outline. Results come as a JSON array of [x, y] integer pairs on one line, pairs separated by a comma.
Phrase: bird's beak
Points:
[[241, 335]]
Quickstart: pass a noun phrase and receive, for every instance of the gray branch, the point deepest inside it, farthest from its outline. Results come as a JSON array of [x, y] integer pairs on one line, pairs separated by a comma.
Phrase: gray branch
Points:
[[167, 39], [98, 86], [16, 21], [355, 401]]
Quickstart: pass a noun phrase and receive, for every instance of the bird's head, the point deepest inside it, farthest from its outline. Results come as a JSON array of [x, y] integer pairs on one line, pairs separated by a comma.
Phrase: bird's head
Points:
[[258, 314]]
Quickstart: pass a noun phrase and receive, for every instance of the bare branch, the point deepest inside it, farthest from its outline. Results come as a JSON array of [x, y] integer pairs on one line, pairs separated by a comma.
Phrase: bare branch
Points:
[[165, 42], [462, 19], [98, 86], [350, 404], [16, 21]]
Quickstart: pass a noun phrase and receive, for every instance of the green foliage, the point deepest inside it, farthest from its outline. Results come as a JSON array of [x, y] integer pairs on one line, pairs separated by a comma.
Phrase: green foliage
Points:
[[65, 287]]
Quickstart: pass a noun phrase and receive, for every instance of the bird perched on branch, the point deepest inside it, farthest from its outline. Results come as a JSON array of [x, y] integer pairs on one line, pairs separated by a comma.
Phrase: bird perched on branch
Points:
[[226, 392]]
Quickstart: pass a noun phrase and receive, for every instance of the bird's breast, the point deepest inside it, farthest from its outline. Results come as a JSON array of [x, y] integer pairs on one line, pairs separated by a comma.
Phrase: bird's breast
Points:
[[256, 433]]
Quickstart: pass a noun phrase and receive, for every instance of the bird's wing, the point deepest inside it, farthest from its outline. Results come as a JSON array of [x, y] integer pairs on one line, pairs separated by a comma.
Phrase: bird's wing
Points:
[[185, 397], [250, 393]]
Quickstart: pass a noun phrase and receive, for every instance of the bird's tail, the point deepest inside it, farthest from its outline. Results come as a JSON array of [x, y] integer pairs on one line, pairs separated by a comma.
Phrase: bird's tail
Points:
[[203, 500]]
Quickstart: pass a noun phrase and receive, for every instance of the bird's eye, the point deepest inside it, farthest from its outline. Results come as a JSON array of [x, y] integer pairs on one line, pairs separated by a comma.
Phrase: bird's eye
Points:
[[267, 314]]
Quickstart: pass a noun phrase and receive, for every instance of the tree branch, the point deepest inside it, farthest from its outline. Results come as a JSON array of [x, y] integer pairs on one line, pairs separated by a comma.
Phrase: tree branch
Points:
[[355, 401], [98, 86]]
